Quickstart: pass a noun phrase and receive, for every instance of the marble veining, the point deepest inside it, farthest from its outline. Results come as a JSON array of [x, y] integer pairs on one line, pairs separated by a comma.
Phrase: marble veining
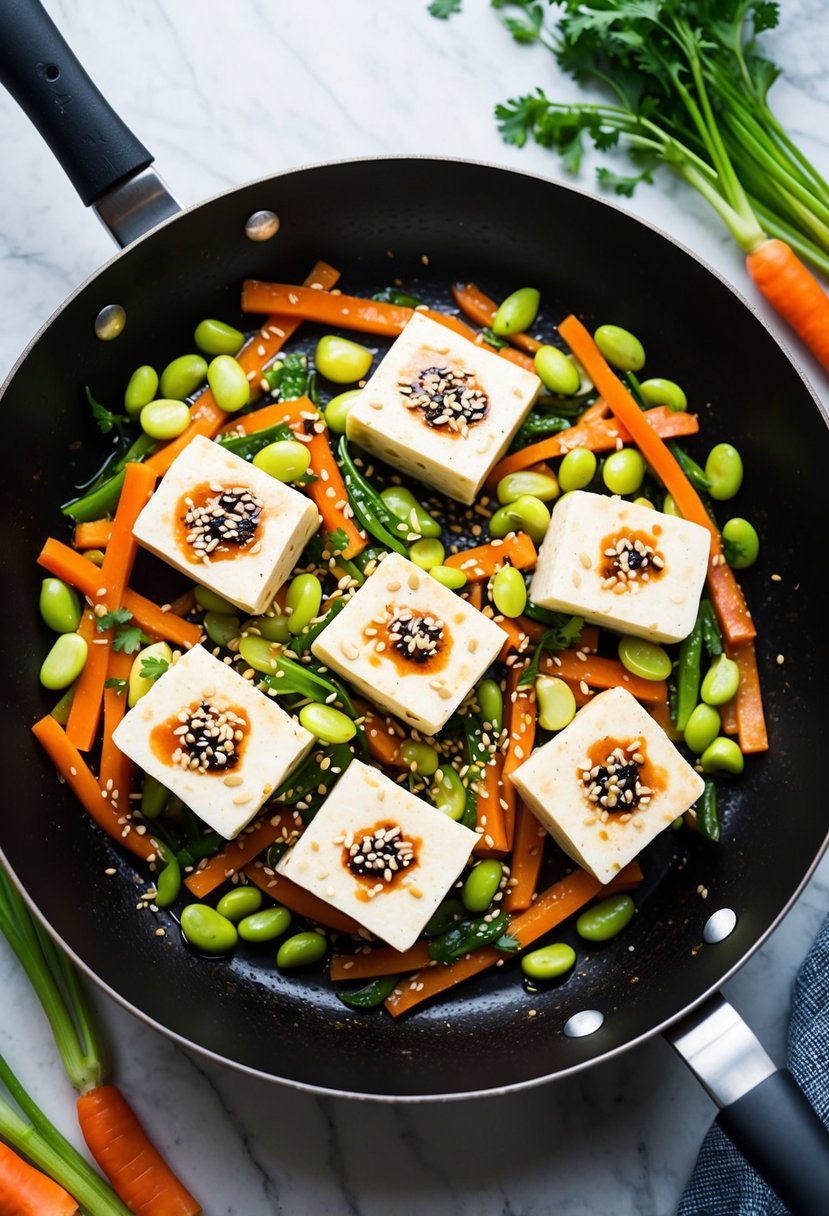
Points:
[[223, 94]]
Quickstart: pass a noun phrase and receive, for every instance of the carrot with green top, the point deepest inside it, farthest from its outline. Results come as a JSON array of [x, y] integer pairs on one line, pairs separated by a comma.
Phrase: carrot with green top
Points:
[[283, 826], [25, 1191], [482, 561]]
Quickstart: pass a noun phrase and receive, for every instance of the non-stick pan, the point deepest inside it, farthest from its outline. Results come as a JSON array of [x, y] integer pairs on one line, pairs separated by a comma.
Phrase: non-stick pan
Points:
[[703, 908]]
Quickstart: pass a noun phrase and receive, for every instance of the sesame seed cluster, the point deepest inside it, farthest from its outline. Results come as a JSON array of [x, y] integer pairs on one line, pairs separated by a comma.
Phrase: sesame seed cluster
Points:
[[614, 785], [228, 518], [209, 738], [448, 398]]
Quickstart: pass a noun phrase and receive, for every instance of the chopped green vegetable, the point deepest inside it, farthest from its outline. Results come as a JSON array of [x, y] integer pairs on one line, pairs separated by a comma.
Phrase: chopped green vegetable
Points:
[[371, 995], [562, 634], [469, 935]]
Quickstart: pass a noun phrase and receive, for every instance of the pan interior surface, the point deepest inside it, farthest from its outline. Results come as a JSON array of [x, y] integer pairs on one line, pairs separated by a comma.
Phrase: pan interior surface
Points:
[[427, 223]]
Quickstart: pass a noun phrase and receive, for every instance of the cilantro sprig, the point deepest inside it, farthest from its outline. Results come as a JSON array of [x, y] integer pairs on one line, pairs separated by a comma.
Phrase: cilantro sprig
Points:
[[128, 638]]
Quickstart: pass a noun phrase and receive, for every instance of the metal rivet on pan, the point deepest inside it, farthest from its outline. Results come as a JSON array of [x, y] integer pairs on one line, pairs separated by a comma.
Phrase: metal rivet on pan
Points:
[[583, 1023], [719, 925], [110, 322], [261, 226]]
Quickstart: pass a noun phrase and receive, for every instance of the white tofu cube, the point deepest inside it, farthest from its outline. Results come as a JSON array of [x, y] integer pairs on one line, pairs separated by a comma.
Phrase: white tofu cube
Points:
[[441, 408], [213, 739], [226, 524], [379, 854], [409, 644], [608, 783], [621, 565]]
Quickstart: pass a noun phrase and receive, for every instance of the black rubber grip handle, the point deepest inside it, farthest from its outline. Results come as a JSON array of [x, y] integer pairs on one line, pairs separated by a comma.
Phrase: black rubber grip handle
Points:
[[93, 145], [778, 1132]]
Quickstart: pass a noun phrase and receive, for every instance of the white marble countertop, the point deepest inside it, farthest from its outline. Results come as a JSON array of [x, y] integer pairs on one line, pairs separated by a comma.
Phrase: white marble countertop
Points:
[[223, 93]]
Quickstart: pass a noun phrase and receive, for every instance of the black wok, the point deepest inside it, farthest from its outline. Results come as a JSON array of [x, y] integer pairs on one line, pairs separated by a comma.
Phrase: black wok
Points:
[[463, 217]]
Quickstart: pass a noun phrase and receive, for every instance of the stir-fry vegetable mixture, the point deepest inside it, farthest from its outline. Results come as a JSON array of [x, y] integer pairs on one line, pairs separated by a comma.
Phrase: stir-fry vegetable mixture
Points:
[[460, 634]]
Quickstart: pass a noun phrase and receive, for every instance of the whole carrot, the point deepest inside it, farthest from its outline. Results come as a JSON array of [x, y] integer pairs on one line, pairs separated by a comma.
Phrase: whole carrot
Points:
[[793, 292], [25, 1191]]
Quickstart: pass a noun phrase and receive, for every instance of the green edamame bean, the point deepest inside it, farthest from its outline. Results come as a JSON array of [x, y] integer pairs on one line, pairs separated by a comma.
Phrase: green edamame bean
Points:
[[211, 602], [96, 556], [259, 653], [341, 360], [287, 460], [577, 469], [536, 485], [644, 658], [338, 409], [221, 627], [509, 591], [517, 312], [557, 371], [644, 502], [448, 793], [64, 662], [658, 391], [419, 757], [606, 918], [526, 514], [216, 338], [301, 950], [702, 727], [139, 685], [183, 376], [60, 605], [265, 925], [669, 506], [164, 418], [239, 902], [402, 503], [491, 703], [330, 725], [724, 470], [154, 797], [624, 471], [742, 544], [228, 383], [481, 884], [168, 884], [556, 703], [427, 553], [207, 930], [720, 682], [722, 755], [141, 389], [272, 628], [620, 347], [549, 961], [449, 576], [302, 602]]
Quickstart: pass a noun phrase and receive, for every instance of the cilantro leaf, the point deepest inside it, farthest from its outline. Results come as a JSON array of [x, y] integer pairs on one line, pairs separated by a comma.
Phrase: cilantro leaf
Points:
[[561, 636], [105, 419], [118, 684], [129, 639], [620, 184], [336, 541], [443, 9], [118, 616], [153, 667]]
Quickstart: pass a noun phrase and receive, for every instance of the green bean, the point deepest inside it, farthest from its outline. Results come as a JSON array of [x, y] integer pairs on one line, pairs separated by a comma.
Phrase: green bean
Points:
[[264, 926], [328, 724], [741, 544], [724, 470], [658, 391], [481, 885], [427, 553], [272, 628], [64, 662], [63, 706], [338, 409], [526, 514], [183, 376], [239, 902], [644, 658], [403, 504], [536, 485], [60, 605], [701, 728], [624, 471], [99, 502], [302, 678], [490, 930], [211, 602], [689, 467], [370, 510], [259, 653], [720, 682], [139, 684], [449, 576], [207, 930], [168, 883], [707, 818], [302, 601], [228, 383], [491, 703], [556, 703], [517, 312], [221, 627], [370, 995], [689, 674], [557, 371], [448, 792], [509, 591], [711, 635], [287, 460], [445, 916], [217, 338], [606, 918], [154, 797], [342, 361], [420, 758], [141, 389], [165, 418], [539, 425], [621, 349], [577, 469], [722, 755], [301, 950], [548, 962]]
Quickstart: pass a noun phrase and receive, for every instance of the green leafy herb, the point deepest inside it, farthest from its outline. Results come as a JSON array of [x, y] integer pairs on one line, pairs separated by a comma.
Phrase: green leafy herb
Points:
[[104, 418], [129, 639], [471, 934], [110, 620], [336, 541], [371, 995], [538, 425], [152, 668], [561, 636], [443, 9], [118, 684], [393, 295]]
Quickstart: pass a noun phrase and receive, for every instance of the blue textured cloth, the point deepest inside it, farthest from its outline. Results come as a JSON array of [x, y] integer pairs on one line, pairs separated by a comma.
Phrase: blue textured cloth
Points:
[[723, 1183]]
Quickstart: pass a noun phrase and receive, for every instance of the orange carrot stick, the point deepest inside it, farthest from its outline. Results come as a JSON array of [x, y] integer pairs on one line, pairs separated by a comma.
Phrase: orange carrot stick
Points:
[[384, 960], [383, 735], [748, 703], [598, 672], [794, 292], [521, 717], [482, 561], [328, 493], [115, 777], [305, 304], [92, 534], [525, 864], [517, 640], [292, 413], [25, 1191], [213, 871], [78, 776], [120, 1146], [493, 840], [287, 893], [481, 309], [726, 596], [88, 701]]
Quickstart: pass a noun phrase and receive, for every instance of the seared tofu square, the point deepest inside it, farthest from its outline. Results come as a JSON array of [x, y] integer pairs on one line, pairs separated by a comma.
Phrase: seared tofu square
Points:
[[622, 565], [379, 854], [608, 783], [226, 524], [441, 408], [409, 644], [213, 739]]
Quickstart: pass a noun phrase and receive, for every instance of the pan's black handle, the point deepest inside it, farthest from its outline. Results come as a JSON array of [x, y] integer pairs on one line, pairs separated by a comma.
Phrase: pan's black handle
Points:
[[96, 149], [763, 1109]]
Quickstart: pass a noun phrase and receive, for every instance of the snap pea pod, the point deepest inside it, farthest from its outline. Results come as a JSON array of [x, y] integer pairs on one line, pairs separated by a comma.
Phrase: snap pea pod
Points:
[[368, 506], [690, 468], [294, 381], [303, 679], [102, 498], [471, 934], [303, 641], [370, 995], [563, 634], [537, 426], [711, 635], [273, 376], [688, 675], [708, 820], [392, 295], [247, 446], [445, 916], [311, 782]]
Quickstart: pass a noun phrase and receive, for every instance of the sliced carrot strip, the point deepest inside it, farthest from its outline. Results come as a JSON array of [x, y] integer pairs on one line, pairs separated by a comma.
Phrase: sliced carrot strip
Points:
[[384, 960], [482, 561], [328, 493], [493, 840], [139, 482], [522, 717], [525, 864], [748, 703], [237, 853], [292, 413], [594, 412], [517, 640], [305, 304], [88, 701], [287, 893], [481, 309], [115, 777], [92, 534], [26, 1191], [383, 735], [599, 672]]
